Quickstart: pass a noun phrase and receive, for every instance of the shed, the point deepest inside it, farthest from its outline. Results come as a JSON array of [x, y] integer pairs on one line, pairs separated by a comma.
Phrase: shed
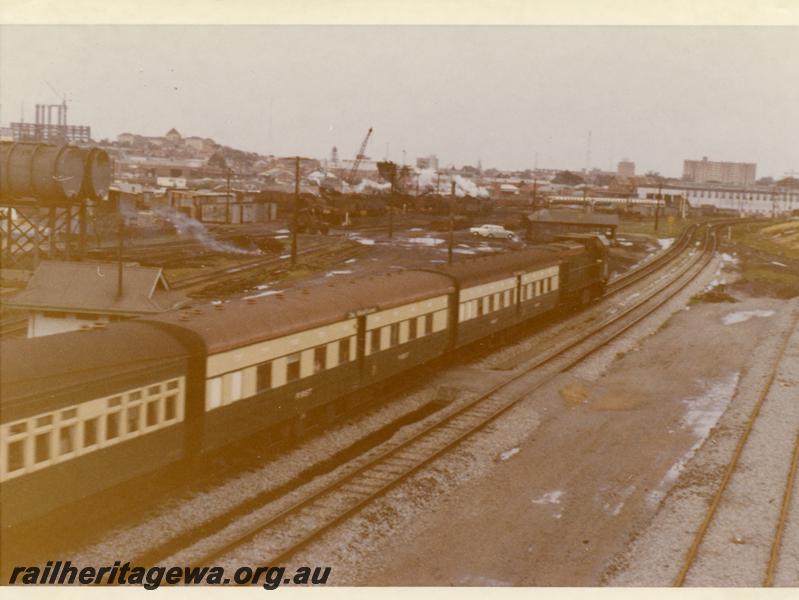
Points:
[[544, 225], [65, 296]]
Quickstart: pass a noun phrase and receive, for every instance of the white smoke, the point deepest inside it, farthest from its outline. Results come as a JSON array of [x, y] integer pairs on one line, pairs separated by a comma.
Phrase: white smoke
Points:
[[185, 225], [368, 184], [317, 177], [429, 180]]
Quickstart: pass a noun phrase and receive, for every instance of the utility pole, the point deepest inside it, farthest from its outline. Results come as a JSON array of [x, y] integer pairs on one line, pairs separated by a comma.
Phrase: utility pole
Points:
[[82, 228], [657, 205], [451, 224], [120, 238], [227, 198], [294, 220], [585, 201], [390, 206]]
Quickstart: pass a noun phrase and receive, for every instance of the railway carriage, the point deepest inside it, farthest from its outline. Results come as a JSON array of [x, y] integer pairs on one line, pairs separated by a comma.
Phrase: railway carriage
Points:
[[285, 357], [85, 411]]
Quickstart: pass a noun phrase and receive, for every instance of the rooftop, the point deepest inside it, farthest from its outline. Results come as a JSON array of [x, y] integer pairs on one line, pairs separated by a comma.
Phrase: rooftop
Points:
[[92, 287], [547, 215]]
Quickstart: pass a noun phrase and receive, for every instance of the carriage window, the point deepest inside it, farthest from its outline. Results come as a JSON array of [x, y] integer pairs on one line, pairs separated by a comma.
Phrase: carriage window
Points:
[[42, 447], [18, 428], [42, 421], [16, 456], [134, 396], [133, 419], [89, 433], [428, 324], [172, 385], [115, 401], [375, 342], [344, 350], [293, 367], [412, 329], [394, 337], [319, 359], [66, 439], [491, 303], [152, 391], [152, 413], [112, 426], [480, 307], [170, 406], [501, 300], [263, 376], [69, 414]]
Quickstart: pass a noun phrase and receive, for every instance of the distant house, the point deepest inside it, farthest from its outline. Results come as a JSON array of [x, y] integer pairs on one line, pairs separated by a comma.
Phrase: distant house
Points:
[[126, 138], [66, 296], [173, 136], [199, 144]]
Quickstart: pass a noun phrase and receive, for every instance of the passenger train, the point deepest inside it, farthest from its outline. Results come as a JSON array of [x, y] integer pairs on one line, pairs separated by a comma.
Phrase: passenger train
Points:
[[84, 411]]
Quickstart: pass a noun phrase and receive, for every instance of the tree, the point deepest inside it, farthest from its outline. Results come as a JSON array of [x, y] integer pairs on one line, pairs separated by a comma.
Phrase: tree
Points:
[[217, 159], [568, 178]]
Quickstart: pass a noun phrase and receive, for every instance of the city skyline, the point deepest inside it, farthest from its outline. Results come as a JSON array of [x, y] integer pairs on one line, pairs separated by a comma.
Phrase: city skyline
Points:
[[508, 96]]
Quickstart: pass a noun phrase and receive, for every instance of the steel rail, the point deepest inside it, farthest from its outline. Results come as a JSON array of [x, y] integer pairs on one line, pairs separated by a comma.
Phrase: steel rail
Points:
[[390, 467], [699, 536]]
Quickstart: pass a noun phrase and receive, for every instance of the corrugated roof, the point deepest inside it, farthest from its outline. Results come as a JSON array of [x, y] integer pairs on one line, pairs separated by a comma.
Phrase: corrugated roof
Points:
[[92, 287]]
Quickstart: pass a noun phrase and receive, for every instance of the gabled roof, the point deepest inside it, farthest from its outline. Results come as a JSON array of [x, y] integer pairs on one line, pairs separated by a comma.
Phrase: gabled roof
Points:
[[92, 287]]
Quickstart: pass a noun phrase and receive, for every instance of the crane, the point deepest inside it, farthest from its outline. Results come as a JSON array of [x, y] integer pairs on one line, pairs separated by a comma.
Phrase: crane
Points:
[[358, 157]]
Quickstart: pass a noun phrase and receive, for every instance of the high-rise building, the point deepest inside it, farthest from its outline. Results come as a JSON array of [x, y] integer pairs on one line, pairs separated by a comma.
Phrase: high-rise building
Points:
[[626, 168], [709, 171]]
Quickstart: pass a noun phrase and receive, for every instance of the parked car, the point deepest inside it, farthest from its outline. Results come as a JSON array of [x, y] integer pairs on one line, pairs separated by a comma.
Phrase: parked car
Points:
[[492, 231]]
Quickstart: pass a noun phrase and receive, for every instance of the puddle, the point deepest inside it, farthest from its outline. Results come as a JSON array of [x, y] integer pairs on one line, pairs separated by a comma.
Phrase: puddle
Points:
[[425, 241], [508, 453], [702, 415], [665, 243], [742, 316], [549, 498]]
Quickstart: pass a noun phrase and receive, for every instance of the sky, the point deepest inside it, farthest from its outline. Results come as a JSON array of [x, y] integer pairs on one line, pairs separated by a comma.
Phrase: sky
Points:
[[510, 97]]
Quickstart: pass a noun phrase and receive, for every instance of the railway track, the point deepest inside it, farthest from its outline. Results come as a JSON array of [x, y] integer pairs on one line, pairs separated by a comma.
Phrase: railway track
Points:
[[769, 569], [256, 263], [290, 528]]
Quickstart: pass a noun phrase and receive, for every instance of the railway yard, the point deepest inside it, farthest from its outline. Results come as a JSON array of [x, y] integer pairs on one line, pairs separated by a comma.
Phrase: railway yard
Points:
[[399, 301], [647, 439]]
